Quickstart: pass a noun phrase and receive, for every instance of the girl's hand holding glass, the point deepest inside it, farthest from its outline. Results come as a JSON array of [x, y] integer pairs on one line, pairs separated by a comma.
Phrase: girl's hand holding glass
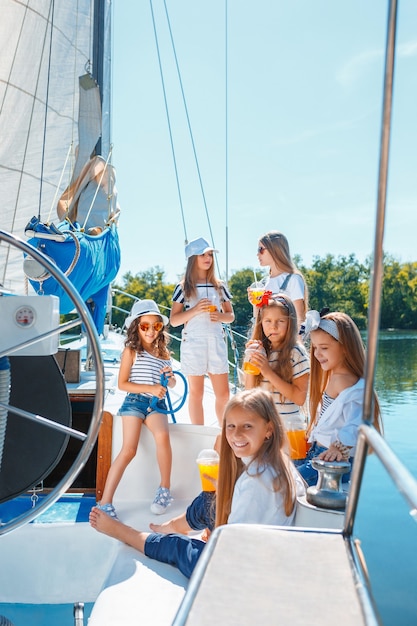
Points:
[[202, 305], [254, 350], [260, 360], [214, 315]]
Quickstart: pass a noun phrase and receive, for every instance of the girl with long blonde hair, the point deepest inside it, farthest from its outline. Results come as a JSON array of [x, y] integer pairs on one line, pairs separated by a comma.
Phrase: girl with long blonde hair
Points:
[[257, 484], [336, 393]]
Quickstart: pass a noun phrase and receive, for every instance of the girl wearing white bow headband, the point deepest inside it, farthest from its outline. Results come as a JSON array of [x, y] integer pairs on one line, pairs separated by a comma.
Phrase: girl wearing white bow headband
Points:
[[336, 392]]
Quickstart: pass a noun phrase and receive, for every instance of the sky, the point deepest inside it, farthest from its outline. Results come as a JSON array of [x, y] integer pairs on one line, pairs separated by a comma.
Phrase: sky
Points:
[[285, 111]]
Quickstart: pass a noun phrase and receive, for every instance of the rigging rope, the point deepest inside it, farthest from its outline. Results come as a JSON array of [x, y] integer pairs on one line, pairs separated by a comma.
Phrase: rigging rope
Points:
[[189, 125], [169, 123], [226, 104], [46, 107]]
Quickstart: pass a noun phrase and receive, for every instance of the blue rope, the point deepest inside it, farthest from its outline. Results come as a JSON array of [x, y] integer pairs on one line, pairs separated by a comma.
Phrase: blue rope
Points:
[[171, 410]]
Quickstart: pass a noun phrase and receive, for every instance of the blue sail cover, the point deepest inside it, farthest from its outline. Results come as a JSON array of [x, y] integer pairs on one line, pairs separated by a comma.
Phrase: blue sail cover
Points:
[[91, 262]]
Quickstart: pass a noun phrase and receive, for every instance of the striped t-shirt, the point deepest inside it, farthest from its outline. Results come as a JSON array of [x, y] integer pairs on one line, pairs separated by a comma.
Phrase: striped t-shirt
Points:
[[288, 410], [146, 369]]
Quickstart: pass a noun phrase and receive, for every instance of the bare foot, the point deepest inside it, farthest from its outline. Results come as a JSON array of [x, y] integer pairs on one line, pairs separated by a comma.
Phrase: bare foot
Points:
[[165, 529], [103, 522], [176, 525], [116, 529]]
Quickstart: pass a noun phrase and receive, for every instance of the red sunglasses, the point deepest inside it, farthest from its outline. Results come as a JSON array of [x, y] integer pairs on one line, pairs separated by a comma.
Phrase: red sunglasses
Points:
[[157, 326]]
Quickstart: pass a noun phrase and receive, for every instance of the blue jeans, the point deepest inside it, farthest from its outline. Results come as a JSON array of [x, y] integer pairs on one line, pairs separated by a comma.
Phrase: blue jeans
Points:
[[201, 513], [179, 550], [308, 472], [137, 404]]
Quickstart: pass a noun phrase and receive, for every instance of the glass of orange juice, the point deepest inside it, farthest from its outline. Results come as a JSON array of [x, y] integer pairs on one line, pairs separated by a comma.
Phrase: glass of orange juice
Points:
[[252, 347], [296, 433], [208, 464], [255, 293]]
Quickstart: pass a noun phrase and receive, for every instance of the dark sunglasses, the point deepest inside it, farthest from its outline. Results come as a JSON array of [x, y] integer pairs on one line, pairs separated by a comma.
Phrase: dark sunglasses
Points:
[[261, 250], [144, 326]]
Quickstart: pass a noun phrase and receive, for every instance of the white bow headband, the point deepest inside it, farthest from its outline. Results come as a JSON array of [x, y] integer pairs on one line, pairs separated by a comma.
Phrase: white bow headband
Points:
[[313, 321]]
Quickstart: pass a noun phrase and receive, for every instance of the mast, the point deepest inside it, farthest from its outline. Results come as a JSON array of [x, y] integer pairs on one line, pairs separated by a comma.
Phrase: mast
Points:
[[101, 68]]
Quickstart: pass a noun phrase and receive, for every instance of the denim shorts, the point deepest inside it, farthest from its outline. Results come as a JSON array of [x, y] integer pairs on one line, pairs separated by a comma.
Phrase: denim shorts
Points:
[[201, 513], [137, 404], [307, 470]]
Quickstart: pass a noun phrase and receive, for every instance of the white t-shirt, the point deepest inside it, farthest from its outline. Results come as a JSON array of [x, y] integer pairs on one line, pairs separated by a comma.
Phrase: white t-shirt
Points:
[[294, 289], [254, 500]]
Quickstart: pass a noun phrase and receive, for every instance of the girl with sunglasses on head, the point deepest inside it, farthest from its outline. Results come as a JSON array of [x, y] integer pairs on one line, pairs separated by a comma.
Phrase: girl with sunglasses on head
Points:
[[337, 361], [274, 252], [202, 303], [283, 365], [257, 485], [145, 359]]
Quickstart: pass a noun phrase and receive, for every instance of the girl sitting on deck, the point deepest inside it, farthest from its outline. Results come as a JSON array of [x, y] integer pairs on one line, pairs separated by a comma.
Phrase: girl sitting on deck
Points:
[[337, 358], [257, 483], [144, 359]]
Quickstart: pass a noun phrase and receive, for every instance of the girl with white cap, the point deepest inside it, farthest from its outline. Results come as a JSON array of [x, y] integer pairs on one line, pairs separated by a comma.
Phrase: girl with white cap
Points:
[[144, 359], [202, 303]]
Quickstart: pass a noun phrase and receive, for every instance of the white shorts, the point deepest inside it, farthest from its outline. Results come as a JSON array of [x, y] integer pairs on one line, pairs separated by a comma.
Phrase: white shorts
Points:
[[203, 355]]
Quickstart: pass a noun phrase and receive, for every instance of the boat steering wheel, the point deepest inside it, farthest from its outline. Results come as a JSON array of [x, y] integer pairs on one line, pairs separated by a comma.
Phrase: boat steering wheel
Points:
[[11, 403]]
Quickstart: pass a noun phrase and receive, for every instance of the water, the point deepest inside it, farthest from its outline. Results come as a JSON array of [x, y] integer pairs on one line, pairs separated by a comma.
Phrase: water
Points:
[[388, 533]]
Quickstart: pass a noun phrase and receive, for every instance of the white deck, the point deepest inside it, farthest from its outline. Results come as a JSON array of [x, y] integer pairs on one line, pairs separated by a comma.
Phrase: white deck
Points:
[[127, 587], [292, 577]]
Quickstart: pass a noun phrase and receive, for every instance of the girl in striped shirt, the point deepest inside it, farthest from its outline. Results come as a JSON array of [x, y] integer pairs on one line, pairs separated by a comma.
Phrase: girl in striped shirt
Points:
[[284, 371], [144, 359]]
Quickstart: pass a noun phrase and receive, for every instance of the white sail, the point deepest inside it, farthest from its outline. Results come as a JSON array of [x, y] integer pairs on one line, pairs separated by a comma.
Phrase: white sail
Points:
[[45, 47]]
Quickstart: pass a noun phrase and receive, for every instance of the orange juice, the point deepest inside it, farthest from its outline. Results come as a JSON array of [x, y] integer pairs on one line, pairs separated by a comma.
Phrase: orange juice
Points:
[[253, 347], [298, 443], [210, 470], [255, 295], [212, 308], [250, 368], [208, 464]]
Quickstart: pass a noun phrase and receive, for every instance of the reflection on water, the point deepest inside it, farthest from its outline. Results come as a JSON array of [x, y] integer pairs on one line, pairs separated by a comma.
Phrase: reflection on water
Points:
[[396, 375], [388, 534]]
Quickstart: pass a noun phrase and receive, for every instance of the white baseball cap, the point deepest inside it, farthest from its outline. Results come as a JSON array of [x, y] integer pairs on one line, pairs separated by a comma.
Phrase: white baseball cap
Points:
[[198, 246], [144, 307]]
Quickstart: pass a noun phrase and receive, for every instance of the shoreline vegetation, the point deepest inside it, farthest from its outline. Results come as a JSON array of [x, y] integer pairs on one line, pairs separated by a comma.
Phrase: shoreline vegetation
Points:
[[341, 283]]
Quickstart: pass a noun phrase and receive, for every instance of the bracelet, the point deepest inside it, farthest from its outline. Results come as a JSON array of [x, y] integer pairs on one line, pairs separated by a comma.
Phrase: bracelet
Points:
[[344, 450]]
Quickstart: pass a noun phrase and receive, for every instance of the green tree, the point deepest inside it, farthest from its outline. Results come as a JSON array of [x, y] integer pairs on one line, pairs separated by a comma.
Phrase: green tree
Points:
[[399, 295], [339, 283], [144, 285], [238, 284]]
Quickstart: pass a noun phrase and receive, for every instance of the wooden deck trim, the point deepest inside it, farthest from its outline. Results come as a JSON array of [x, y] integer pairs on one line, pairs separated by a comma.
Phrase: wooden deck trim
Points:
[[104, 447]]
